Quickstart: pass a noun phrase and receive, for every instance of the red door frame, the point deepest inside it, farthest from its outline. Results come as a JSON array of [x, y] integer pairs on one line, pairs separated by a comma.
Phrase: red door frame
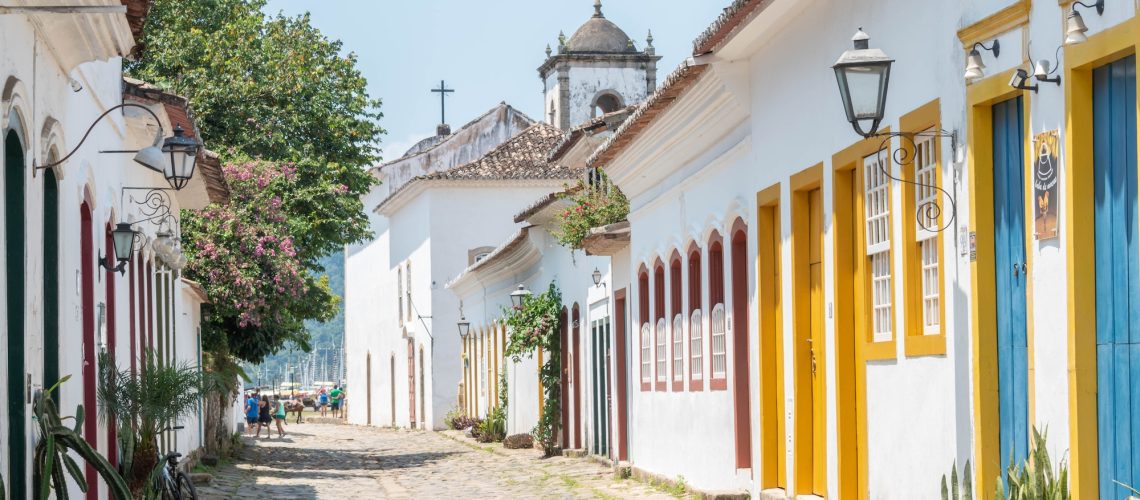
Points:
[[87, 272], [112, 428], [577, 381], [620, 374], [564, 335], [740, 400], [411, 383]]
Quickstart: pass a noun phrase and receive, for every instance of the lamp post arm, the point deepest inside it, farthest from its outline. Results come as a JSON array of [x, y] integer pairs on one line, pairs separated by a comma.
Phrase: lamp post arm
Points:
[[92, 127]]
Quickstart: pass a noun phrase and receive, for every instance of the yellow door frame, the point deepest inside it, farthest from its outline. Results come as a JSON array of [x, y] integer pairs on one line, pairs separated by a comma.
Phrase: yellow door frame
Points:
[[770, 328], [801, 185], [980, 97], [1106, 46], [853, 340]]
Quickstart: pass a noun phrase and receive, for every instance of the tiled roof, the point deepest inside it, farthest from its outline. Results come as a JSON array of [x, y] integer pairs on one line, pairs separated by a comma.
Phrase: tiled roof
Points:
[[136, 18], [522, 157], [610, 120], [210, 166], [734, 16]]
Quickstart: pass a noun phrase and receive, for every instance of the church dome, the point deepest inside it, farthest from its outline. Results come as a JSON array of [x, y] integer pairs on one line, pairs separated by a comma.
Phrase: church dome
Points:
[[600, 35]]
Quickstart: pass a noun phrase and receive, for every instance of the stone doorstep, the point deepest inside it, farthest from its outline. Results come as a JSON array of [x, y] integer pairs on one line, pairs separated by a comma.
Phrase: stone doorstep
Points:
[[652, 478], [774, 494], [573, 453]]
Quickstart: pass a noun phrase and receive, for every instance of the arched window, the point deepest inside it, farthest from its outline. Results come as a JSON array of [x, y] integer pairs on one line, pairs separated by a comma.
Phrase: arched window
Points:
[[14, 237], [643, 317], [607, 103], [400, 294], [718, 379], [660, 334], [696, 337], [678, 321]]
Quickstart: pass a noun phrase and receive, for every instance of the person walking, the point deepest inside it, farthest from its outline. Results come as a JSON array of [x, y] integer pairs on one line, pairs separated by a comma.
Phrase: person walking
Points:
[[263, 419], [323, 402], [335, 395], [251, 410], [279, 416]]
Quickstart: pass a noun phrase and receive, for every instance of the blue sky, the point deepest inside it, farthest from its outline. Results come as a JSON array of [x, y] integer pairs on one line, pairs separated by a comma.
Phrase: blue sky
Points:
[[487, 50]]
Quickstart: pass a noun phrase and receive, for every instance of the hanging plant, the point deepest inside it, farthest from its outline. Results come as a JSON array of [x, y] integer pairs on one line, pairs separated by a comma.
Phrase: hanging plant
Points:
[[532, 326], [594, 204]]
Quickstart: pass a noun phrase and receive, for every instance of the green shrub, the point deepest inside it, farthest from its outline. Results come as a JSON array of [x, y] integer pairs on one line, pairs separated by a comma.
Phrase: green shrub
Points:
[[1035, 479]]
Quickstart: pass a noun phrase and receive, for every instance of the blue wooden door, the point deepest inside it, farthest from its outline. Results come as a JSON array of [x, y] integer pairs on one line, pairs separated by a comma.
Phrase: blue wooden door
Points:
[[1117, 276], [1010, 278]]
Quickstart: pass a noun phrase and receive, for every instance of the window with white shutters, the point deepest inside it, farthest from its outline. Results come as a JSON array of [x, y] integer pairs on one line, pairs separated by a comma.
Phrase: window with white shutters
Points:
[[400, 294], [678, 348], [925, 196], [719, 364], [877, 208], [661, 356], [646, 367], [697, 360]]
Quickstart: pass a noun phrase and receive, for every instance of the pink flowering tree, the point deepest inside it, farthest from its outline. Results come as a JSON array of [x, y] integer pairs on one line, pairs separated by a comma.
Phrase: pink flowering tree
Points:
[[246, 255]]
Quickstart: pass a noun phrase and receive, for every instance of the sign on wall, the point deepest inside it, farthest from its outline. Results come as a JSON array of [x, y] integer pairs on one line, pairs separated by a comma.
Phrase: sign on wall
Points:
[[1046, 170]]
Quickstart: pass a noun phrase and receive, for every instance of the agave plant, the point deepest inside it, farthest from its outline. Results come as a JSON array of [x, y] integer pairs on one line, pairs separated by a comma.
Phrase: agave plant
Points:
[[52, 456], [1035, 479], [142, 404], [966, 492]]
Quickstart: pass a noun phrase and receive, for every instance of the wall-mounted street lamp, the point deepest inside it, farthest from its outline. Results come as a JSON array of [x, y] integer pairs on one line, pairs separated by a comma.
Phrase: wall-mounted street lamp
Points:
[[597, 275], [1075, 28], [124, 238], [463, 324], [519, 296], [174, 157], [863, 75], [974, 64]]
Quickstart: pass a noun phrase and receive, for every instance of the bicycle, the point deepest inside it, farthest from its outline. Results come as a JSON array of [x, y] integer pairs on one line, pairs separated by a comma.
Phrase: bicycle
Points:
[[173, 484]]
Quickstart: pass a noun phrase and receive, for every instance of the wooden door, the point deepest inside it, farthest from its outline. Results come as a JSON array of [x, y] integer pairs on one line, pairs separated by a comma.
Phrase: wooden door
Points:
[[411, 384], [87, 270], [368, 386], [768, 284], [740, 351], [815, 344], [1010, 279], [607, 393], [392, 381], [14, 214], [1117, 276], [564, 389], [576, 381], [620, 367]]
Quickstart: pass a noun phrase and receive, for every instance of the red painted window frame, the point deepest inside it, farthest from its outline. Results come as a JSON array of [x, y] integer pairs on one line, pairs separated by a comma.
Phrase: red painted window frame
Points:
[[658, 315], [695, 304], [716, 296], [643, 318], [676, 308], [740, 333]]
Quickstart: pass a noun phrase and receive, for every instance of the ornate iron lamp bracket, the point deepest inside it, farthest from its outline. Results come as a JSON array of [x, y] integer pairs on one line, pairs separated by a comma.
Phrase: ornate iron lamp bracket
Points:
[[903, 157], [154, 206]]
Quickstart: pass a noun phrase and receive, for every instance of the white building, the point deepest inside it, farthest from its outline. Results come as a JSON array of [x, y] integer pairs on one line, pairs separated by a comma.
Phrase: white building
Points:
[[60, 305]]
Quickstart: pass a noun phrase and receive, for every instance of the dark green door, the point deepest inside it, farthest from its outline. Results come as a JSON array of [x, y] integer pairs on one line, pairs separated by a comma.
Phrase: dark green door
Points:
[[51, 282], [14, 266]]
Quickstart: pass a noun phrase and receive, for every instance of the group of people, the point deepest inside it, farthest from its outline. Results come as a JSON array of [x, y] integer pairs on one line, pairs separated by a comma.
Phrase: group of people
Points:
[[258, 411], [261, 412]]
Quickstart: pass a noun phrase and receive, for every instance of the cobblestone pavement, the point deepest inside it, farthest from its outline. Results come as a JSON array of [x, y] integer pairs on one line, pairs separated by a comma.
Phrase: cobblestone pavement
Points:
[[317, 460]]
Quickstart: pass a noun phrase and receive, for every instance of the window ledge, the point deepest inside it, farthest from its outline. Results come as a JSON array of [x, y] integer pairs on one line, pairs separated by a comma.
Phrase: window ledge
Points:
[[925, 345], [880, 350]]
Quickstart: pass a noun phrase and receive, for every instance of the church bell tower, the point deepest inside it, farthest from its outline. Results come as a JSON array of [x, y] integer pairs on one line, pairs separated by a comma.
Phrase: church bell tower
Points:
[[596, 71]]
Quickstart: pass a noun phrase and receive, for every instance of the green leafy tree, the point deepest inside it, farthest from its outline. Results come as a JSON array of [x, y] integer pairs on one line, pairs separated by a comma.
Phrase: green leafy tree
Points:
[[274, 89]]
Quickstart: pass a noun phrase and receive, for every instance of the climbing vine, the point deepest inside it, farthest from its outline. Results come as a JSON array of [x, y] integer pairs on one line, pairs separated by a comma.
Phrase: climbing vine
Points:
[[593, 204], [534, 326]]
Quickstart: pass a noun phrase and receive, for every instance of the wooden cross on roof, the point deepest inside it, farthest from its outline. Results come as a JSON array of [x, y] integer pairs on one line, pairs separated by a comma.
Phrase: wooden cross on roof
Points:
[[443, 91]]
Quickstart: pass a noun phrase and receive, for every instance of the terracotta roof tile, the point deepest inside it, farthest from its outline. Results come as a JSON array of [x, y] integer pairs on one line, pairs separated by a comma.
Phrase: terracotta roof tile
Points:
[[522, 157], [733, 18]]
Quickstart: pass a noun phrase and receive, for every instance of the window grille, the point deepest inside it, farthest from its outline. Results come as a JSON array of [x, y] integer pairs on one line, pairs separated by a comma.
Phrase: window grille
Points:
[[877, 205], [645, 352], [697, 361], [678, 348], [719, 363], [661, 350]]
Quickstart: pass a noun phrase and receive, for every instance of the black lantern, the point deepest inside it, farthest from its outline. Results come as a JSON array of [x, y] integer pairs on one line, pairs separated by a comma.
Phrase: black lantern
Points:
[[863, 74], [183, 153], [519, 296], [597, 277], [464, 327], [123, 237]]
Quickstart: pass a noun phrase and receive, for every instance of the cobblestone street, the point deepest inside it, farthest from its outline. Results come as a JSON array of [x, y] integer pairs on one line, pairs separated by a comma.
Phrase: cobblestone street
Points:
[[348, 462]]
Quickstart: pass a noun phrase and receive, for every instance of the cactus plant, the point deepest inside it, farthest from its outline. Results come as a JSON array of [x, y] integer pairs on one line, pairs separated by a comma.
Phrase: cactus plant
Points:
[[967, 489], [52, 457]]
